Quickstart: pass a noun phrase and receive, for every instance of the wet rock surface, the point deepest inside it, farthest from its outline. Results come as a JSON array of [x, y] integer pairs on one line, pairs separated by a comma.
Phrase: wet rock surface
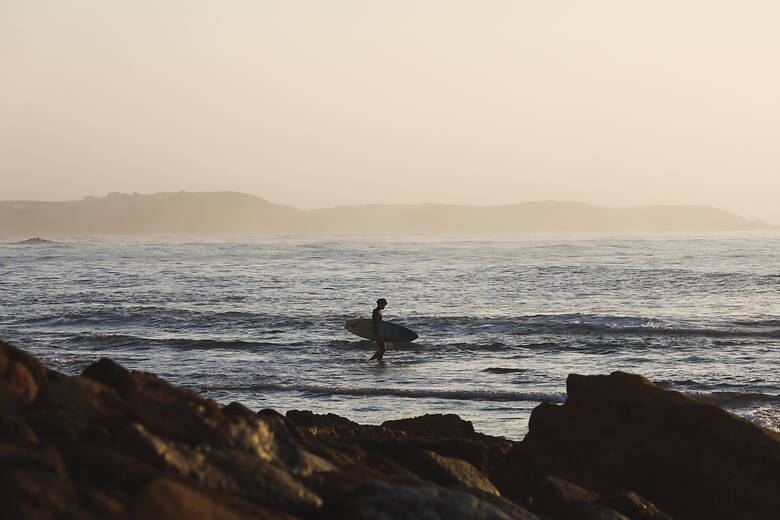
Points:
[[115, 443]]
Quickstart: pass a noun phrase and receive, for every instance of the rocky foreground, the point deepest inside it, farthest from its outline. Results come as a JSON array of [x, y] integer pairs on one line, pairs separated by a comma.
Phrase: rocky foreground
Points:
[[114, 443]]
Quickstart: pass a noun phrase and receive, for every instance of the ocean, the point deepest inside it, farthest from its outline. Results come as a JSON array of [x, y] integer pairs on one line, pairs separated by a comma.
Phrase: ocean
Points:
[[502, 320]]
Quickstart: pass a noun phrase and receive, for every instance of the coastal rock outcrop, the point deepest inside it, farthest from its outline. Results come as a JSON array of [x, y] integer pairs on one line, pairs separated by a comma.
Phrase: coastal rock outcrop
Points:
[[621, 432], [116, 443]]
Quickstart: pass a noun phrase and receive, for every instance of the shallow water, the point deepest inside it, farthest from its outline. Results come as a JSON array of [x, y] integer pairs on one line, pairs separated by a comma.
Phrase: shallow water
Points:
[[502, 320]]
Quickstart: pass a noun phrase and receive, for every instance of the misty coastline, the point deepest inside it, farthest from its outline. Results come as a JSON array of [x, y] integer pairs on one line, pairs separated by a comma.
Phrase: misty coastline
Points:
[[231, 213]]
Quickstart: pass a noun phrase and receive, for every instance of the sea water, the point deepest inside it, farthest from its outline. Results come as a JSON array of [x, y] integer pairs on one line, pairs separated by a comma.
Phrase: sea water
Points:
[[502, 320]]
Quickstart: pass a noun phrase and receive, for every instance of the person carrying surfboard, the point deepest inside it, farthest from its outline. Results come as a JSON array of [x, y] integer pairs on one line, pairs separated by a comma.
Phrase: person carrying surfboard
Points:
[[376, 317]]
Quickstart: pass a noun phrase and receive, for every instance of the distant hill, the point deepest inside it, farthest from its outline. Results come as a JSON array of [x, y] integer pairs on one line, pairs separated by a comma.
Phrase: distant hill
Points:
[[230, 213]]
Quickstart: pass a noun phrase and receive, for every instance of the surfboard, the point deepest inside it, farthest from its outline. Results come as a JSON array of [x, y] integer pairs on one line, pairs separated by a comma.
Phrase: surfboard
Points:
[[388, 331]]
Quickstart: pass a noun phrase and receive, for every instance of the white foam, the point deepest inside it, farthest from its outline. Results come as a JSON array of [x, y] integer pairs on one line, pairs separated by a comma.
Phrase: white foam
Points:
[[468, 395], [767, 416]]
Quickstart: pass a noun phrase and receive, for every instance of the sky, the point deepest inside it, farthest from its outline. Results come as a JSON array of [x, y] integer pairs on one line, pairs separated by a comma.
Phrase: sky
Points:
[[315, 104]]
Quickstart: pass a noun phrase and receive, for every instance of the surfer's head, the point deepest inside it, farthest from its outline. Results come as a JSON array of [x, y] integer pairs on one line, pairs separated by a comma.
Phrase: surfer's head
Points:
[[381, 302]]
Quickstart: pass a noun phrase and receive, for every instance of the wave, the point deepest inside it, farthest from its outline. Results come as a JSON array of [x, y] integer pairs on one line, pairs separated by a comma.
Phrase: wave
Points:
[[461, 395], [766, 417], [735, 399], [583, 324], [140, 343], [152, 316], [500, 370], [156, 317], [760, 323]]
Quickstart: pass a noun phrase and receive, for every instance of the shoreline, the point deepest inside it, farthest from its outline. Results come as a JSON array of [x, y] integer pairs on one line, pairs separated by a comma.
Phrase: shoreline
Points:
[[125, 444]]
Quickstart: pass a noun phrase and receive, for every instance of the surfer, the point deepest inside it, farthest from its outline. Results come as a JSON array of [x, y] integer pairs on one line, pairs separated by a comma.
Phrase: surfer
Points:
[[376, 317]]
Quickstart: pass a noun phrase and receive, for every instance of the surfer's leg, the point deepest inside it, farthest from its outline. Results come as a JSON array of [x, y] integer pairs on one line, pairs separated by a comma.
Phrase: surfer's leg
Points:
[[380, 351]]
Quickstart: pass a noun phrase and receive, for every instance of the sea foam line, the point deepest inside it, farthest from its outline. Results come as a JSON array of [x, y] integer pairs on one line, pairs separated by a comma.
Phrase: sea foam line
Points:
[[462, 395]]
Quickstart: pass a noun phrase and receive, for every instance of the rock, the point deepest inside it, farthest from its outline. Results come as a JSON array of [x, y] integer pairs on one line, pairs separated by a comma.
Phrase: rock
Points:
[[261, 482], [480, 454], [508, 507], [109, 468], [115, 443], [32, 493], [235, 409], [621, 432], [163, 409], [434, 425], [564, 501], [16, 431], [362, 491], [167, 499], [555, 494], [138, 443], [376, 500], [447, 471], [330, 426], [344, 442], [111, 374], [282, 427], [268, 436], [237, 472], [31, 457], [53, 426], [20, 373], [91, 408], [633, 506]]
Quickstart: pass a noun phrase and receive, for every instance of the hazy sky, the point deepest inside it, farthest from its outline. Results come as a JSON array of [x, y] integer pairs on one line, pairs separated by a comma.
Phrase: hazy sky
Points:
[[322, 103]]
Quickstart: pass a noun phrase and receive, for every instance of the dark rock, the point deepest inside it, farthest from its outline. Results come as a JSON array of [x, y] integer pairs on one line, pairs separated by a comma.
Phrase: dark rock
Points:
[[633, 506], [323, 425], [434, 425], [447, 471], [483, 455], [111, 374], [20, 373], [100, 503], [560, 499], [31, 457], [261, 482], [594, 512], [115, 443], [344, 442], [235, 409], [93, 408], [173, 413], [281, 426], [167, 499], [138, 443], [620, 432], [110, 468], [32, 494], [508, 507], [53, 426], [15, 430], [377, 500]]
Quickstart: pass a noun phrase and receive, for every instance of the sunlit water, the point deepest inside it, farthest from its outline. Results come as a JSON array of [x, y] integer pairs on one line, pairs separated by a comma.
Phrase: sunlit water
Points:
[[501, 321]]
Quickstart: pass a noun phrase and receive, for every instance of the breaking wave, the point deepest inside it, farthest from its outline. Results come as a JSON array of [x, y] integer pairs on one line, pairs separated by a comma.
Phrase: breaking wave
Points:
[[461, 395]]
